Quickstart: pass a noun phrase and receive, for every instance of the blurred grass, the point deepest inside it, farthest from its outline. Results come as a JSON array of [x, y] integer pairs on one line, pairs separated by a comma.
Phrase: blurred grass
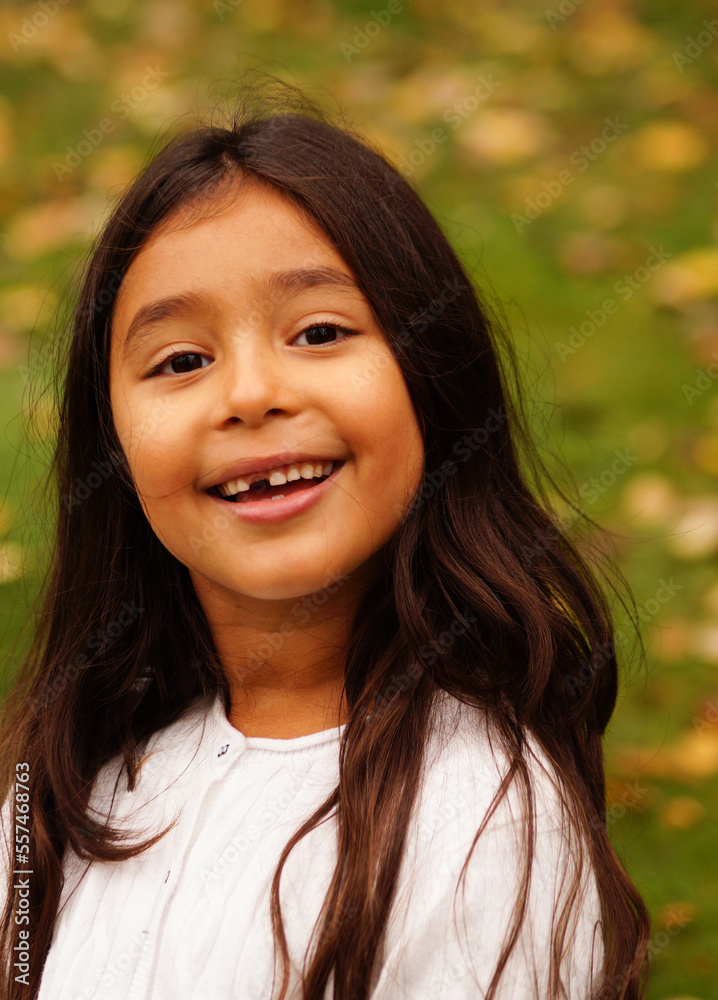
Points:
[[621, 391]]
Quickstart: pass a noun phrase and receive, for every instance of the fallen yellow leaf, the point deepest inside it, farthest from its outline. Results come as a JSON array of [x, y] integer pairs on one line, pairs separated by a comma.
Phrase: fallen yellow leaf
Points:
[[682, 812], [689, 277], [12, 558], [691, 757], [669, 146]]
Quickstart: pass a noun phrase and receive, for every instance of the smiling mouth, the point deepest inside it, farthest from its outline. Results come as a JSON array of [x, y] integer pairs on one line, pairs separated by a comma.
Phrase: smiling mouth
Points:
[[262, 491]]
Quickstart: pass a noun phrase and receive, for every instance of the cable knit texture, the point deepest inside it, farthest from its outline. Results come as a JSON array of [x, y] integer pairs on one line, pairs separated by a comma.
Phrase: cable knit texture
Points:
[[190, 920]]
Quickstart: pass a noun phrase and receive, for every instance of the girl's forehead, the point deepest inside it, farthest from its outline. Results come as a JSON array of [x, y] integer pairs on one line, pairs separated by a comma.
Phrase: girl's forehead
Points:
[[249, 217], [248, 197]]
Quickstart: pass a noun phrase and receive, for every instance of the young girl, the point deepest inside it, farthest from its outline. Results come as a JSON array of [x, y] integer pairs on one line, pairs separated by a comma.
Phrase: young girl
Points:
[[316, 701]]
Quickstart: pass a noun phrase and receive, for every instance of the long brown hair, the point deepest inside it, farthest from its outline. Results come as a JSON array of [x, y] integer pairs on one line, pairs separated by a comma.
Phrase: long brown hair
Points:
[[122, 647]]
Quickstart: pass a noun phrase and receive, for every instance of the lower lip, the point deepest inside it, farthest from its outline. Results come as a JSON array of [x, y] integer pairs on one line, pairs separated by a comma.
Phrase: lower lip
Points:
[[265, 511]]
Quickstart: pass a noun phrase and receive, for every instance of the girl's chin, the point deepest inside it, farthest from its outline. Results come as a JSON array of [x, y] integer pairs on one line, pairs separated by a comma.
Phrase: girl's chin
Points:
[[258, 587]]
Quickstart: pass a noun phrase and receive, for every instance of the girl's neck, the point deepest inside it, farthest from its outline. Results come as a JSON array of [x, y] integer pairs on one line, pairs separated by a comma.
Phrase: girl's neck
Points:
[[285, 670], [290, 713]]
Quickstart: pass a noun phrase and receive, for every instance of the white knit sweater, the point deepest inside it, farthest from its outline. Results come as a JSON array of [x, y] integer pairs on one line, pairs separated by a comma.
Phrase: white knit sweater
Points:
[[189, 919]]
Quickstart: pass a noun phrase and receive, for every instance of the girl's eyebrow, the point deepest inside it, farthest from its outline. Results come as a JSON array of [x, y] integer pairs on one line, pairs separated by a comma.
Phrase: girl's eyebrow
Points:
[[186, 303]]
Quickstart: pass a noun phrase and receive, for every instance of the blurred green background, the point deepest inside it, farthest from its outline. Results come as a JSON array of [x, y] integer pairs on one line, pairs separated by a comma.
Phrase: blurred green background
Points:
[[568, 150]]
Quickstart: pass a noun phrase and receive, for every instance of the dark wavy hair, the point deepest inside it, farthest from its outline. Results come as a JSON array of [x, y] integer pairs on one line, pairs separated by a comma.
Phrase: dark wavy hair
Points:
[[479, 544]]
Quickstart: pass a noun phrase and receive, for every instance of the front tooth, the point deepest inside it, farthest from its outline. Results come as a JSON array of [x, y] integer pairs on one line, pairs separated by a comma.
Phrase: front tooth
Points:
[[233, 486], [278, 478]]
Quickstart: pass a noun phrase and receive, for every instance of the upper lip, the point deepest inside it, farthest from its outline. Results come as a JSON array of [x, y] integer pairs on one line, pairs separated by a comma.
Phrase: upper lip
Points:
[[250, 466]]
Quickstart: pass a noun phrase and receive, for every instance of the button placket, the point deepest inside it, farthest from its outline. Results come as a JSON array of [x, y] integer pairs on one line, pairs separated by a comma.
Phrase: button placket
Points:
[[176, 843], [222, 756]]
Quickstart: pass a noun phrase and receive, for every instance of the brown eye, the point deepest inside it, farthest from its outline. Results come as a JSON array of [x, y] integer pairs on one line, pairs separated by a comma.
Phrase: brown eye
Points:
[[180, 364], [326, 329]]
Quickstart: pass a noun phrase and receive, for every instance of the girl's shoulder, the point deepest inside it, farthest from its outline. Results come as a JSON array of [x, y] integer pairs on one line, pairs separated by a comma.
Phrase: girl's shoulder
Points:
[[171, 754], [463, 768], [465, 763], [456, 901]]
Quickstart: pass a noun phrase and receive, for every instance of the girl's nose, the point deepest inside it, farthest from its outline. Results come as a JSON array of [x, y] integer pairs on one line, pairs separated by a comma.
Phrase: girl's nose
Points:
[[253, 384]]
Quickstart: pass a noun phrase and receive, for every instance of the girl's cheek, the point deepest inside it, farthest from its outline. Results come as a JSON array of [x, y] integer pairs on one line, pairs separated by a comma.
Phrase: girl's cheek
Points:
[[156, 418], [147, 424]]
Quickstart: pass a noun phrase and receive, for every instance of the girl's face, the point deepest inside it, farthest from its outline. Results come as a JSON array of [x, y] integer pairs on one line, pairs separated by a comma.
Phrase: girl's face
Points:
[[261, 370]]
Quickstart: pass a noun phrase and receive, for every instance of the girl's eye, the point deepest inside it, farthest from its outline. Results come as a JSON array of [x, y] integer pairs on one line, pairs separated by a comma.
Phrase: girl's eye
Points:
[[184, 362], [324, 327]]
